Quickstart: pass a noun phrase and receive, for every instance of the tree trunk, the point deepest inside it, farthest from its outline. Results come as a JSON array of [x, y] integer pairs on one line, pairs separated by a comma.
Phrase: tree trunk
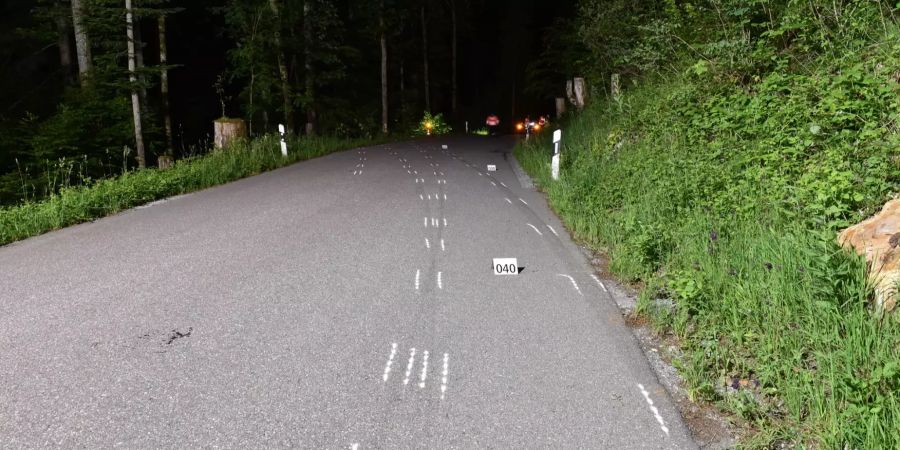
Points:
[[453, 93], [164, 87], [139, 60], [64, 29], [402, 89], [384, 70], [82, 42], [283, 70], [135, 95], [425, 60], [307, 65]]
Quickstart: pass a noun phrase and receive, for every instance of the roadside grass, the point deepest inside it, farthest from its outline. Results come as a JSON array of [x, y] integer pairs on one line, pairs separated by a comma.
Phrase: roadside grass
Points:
[[732, 237], [72, 205]]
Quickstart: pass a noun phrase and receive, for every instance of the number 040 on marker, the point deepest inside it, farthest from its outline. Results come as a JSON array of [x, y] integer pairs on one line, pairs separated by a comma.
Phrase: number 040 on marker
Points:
[[506, 266]]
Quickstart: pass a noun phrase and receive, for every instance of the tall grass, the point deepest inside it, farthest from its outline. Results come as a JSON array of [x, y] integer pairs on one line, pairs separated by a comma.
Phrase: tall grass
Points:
[[773, 317], [73, 205]]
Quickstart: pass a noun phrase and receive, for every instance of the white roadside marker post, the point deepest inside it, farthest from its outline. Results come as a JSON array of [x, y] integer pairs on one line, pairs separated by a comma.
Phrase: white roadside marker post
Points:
[[554, 165], [283, 143]]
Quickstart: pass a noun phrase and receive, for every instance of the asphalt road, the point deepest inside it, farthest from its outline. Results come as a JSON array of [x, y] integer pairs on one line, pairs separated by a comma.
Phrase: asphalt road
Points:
[[297, 308]]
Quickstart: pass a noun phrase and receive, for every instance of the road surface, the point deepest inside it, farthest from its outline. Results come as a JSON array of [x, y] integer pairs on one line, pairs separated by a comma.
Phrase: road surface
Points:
[[343, 302]]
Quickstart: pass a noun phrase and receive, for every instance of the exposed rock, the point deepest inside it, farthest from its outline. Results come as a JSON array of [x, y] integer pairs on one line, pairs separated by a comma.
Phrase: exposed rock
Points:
[[878, 239]]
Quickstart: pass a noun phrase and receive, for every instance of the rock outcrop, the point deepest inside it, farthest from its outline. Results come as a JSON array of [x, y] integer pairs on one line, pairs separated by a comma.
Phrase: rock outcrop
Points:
[[878, 239]]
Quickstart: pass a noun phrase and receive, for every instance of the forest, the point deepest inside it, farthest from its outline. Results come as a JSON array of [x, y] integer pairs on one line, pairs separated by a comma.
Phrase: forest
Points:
[[341, 68]]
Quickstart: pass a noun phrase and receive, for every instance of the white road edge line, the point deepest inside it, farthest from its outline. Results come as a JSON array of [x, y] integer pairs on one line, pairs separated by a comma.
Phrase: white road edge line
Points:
[[655, 410], [599, 282], [387, 367], [535, 229], [574, 284]]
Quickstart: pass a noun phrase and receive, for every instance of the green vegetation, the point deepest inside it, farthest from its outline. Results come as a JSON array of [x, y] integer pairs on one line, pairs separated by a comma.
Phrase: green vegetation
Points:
[[432, 124], [71, 205], [717, 184]]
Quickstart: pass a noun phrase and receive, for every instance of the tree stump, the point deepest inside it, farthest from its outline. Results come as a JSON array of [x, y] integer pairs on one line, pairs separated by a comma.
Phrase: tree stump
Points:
[[227, 131], [165, 161], [560, 107]]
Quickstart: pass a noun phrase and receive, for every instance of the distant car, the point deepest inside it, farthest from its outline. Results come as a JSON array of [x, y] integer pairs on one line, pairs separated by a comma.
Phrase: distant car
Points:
[[492, 123]]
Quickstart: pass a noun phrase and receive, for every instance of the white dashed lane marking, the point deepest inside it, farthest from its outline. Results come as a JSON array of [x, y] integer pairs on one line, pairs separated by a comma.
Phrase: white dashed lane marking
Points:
[[417, 279], [439, 282], [427, 244], [654, 410], [574, 284], [553, 231], [390, 362], [523, 201], [424, 370], [444, 376], [409, 365], [442, 245], [535, 229], [508, 201]]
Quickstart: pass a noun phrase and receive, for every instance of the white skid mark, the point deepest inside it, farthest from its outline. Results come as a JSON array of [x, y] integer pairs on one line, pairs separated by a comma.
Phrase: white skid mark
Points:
[[509, 201], [535, 229], [574, 284], [417, 279], [445, 222], [354, 172], [415, 172], [440, 283], [655, 410], [421, 197], [429, 196], [362, 165], [387, 367], [424, 370], [445, 196], [412, 358], [442, 245], [554, 231], [493, 184], [444, 375], [427, 244], [480, 174], [501, 184], [409, 172], [523, 201], [599, 282]]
